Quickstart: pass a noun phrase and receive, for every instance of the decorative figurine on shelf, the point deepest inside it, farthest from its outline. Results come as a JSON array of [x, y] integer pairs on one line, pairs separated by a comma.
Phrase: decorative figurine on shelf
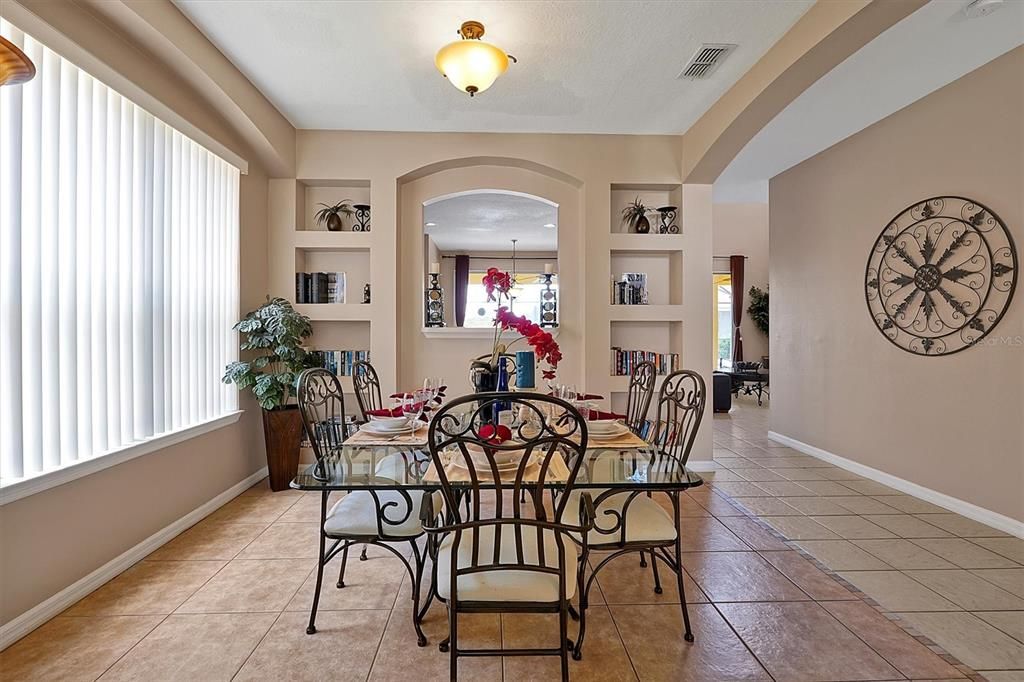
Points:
[[362, 212], [330, 216], [366, 293], [668, 220], [548, 300], [634, 216], [433, 299]]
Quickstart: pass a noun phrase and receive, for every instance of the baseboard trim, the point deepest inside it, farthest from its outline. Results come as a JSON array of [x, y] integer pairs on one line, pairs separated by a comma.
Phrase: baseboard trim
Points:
[[17, 628], [953, 504]]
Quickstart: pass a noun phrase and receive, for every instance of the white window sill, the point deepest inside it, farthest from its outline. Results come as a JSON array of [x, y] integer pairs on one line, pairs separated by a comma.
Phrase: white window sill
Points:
[[23, 487]]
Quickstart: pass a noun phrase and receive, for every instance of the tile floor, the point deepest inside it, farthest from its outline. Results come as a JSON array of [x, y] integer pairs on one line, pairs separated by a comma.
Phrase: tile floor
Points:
[[892, 579]]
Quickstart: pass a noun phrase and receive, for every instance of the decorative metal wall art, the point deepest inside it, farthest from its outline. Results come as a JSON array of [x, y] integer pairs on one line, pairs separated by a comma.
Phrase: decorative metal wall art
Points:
[[433, 303], [362, 213], [548, 303], [668, 220], [940, 275]]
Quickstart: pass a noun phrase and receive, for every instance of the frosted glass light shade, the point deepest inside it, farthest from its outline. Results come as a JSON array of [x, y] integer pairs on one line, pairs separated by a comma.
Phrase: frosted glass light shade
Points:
[[471, 65]]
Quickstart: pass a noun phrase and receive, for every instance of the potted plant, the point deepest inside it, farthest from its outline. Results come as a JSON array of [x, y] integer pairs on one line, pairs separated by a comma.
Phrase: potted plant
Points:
[[330, 216], [635, 217], [274, 333], [758, 308]]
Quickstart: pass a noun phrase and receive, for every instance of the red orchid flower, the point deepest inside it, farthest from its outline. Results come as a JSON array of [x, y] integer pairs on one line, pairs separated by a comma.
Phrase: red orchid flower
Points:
[[496, 281]]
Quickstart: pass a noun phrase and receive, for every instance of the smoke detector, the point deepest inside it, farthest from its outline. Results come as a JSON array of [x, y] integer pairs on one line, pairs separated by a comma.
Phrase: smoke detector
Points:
[[707, 59], [981, 8]]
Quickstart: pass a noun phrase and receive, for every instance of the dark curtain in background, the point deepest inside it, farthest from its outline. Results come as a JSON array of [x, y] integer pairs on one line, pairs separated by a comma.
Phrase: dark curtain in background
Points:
[[461, 288], [736, 272]]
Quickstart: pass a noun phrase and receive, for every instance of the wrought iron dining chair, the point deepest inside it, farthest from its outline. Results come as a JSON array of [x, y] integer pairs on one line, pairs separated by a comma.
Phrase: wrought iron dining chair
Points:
[[629, 521], [366, 517], [641, 390], [367, 388], [514, 556]]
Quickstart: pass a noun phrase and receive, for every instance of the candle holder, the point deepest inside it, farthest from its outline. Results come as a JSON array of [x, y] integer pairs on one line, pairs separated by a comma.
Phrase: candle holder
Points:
[[668, 220], [548, 303], [362, 215], [433, 302]]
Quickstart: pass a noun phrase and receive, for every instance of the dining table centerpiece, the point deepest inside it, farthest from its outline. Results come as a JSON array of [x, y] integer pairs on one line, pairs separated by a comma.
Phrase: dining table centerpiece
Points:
[[486, 371]]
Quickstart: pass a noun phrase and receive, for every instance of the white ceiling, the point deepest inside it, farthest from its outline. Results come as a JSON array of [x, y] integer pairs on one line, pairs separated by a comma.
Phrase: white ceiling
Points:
[[930, 48], [585, 66], [489, 221]]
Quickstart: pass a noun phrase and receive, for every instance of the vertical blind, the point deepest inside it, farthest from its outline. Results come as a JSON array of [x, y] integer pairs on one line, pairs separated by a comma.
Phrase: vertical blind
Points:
[[118, 272]]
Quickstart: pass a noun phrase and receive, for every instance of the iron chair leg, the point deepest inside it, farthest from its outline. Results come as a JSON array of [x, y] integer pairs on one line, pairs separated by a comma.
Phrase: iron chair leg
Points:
[[344, 561], [688, 634], [654, 569], [453, 644], [311, 628], [565, 644], [362, 555], [417, 580]]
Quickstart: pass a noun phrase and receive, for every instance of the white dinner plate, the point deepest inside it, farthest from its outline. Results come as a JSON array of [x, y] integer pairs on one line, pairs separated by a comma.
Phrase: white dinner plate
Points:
[[384, 431], [609, 435]]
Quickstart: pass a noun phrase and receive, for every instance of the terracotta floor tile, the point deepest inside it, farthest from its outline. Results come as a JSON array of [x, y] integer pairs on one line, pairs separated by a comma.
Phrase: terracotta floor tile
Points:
[[828, 488], [721, 475], [962, 526], [285, 541], [802, 641], [758, 474], [753, 533], [263, 488], [968, 591], [862, 504], [1004, 675], [653, 636], [604, 656], [909, 504], [903, 554], [906, 526], [147, 588], [741, 489], [892, 642], [802, 474], [973, 641], [1010, 622], [208, 540], [623, 581], [246, 585], [307, 508], [838, 474], [715, 504], [842, 555], [1011, 548], [816, 506], [739, 576], [400, 660], [208, 647], [785, 489], [853, 527], [343, 648], [807, 576], [896, 591], [964, 553], [1010, 579], [253, 509], [800, 528], [767, 506], [866, 487], [73, 648], [708, 535], [731, 461], [371, 584]]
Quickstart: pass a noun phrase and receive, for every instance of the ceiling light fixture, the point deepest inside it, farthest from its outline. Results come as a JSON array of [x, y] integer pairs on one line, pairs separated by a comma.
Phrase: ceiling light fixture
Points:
[[549, 225], [15, 66], [470, 64], [429, 224]]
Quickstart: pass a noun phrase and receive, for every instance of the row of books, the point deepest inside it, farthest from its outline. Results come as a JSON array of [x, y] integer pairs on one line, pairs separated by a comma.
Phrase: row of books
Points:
[[340, 361], [629, 288], [319, 287], [623, 361]]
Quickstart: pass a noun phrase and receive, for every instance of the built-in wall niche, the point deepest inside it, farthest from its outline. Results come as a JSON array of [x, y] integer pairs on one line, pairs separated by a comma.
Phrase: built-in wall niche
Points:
[[340, 336], [654, 336], [317, 192], [664, 270], [653, 196]]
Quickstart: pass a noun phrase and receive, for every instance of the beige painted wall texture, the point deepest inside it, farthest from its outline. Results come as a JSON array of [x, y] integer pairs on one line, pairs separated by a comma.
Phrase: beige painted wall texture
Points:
[[743, 229], [954, 424], [56, 537]]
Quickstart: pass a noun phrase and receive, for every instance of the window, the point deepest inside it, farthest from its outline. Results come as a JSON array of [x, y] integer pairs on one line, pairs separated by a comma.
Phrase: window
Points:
[[526, 299], [118, 272], [723, 321]]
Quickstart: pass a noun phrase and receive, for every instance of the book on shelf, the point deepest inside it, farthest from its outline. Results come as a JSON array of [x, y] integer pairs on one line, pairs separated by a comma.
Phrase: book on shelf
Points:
[[629, 288], [624, 360], [340, 362], [319, 287]]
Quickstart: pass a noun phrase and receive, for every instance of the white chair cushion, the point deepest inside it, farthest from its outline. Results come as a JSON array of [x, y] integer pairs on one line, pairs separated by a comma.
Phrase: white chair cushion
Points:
[[356, 514], [506, 585], [646, 520]]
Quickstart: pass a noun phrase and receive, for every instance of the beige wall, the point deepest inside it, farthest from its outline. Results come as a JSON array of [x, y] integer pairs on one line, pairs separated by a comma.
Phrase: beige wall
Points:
[[954, 424], [743, 229], [53, 538]]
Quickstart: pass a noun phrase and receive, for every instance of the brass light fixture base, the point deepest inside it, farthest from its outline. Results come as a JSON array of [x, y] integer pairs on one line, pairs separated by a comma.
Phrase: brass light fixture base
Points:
[[471, 30]]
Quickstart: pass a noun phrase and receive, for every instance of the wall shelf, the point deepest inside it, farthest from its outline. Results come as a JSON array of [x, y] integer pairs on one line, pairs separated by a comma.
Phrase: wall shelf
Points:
[[335, 312], [645, 313], [645, 242], [322, 240]]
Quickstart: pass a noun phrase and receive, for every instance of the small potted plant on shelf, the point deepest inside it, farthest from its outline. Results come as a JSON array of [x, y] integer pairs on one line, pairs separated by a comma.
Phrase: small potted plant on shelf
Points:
[[330, 216], [634, 216], [274, 333]]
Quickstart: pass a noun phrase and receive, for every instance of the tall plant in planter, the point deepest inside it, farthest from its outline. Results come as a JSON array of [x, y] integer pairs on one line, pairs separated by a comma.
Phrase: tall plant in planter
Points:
[[758, 308], [273, 334]]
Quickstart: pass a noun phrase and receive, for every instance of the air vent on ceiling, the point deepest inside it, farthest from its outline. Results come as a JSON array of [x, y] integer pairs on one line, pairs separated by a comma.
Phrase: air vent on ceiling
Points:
[[706, 60]]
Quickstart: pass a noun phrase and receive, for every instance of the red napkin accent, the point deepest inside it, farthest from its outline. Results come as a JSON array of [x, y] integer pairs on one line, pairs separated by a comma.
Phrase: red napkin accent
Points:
[[598, 416], [394, 412]]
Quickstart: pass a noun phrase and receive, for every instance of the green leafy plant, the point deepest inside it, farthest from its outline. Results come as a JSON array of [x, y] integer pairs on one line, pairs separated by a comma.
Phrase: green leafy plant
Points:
[[635, 216], [274, 331], [758, 308], [330, 216]]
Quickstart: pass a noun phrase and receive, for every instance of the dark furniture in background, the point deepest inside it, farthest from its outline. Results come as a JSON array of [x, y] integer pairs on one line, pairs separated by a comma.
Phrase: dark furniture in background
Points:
[[721, 388]]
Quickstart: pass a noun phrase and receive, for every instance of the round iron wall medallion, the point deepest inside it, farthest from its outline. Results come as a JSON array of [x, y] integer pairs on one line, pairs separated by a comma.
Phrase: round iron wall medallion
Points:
[[941, 275]]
